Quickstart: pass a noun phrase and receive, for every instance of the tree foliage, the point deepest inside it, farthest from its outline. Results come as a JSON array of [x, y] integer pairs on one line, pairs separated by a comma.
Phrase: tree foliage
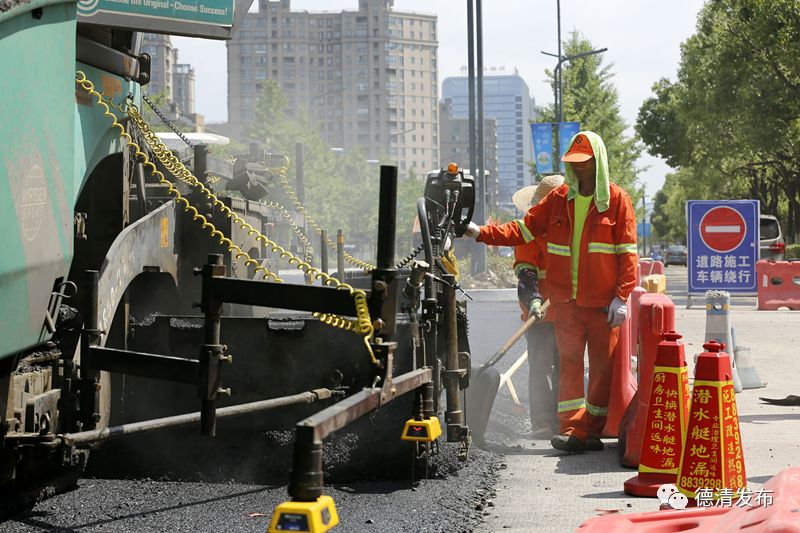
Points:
[[590, 97], [732, 117], [341, 187]]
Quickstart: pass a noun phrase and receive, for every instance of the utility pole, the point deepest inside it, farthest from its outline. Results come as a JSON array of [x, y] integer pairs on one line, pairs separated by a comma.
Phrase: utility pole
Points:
[[476, 149], [558, 96]]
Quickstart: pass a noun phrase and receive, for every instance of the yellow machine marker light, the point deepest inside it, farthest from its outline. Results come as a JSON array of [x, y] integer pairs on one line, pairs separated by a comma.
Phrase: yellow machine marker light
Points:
[[312, 517], [427, 430]]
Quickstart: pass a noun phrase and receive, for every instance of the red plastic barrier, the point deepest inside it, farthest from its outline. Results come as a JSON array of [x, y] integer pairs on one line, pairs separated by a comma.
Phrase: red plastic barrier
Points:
[[647, 268], [778, 284], [783, 490], [623, 383], [656, 317], [633, 308]]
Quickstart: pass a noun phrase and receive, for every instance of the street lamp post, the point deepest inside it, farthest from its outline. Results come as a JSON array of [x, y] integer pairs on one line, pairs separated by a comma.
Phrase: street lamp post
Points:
[[558, 102]]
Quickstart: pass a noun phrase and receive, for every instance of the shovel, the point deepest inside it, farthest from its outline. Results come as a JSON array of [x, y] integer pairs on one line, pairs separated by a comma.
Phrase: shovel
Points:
[[486, 382]]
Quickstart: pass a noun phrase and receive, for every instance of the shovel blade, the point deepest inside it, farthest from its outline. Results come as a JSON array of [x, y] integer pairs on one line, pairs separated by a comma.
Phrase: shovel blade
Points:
[[480, 399]]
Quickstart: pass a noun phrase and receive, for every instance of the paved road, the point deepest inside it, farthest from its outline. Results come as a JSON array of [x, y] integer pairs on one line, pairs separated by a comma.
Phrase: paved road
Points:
[[544, 490]]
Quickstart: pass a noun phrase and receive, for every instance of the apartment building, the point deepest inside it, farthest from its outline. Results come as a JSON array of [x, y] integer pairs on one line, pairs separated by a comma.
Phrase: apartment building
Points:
[[363, 78]]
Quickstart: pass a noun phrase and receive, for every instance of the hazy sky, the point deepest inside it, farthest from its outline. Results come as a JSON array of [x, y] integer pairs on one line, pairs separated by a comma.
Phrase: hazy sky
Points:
[[642, 36]]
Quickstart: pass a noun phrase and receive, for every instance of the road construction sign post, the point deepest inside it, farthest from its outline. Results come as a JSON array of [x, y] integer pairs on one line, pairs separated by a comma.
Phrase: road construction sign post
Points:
[[723, 246]]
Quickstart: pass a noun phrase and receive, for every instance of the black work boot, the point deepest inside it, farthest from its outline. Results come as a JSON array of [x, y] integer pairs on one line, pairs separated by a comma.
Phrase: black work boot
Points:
[[568, 443], [594, 444]]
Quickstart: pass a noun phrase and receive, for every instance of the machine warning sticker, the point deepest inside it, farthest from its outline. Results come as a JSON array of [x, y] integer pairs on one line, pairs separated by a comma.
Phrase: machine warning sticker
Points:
[[164, 232], [218, 12]]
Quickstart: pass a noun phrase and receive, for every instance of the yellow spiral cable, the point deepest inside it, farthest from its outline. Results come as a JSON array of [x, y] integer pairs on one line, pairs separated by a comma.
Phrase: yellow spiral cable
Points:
[[308, 251], [280, 173], [88, 86], [363, 323]]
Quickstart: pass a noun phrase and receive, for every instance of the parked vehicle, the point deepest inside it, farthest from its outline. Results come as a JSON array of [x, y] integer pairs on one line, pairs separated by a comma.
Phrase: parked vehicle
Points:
[[676, 255], [656, 253], [771, 245]]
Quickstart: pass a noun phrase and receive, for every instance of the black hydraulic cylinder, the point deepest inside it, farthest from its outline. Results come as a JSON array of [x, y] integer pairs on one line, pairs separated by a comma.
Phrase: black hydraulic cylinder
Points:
[[89, 397], [201, 162], [383, 299], [454, 415], [387, 216], [306, 480], [211, 352]]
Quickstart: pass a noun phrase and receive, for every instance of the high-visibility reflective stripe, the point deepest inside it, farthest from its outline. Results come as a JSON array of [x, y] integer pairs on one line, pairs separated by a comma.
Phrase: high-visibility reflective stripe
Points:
[[526, 233], [519, 267], [601, 248], [629, 248], [596, 411], [542, 274], [571, 405], [557, 249]]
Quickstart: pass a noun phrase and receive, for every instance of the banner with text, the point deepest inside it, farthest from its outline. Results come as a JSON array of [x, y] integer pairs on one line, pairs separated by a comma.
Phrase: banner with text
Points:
[[543, 146], [566, 131]]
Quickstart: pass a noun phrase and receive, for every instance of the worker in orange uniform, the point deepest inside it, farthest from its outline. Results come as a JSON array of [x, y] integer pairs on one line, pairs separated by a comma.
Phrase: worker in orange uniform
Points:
[[530, 266], [590, 229]]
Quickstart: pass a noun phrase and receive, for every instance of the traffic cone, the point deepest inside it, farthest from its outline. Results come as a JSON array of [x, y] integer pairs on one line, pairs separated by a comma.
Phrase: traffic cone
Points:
[[656, 316], [667, 416], [712, 457], [718, 327], [623, 384]]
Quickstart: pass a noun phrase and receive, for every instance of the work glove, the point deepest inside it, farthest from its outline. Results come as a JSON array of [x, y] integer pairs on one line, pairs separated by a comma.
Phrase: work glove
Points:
[[527, 287], [617, 312], [536, 309], [473, 230]]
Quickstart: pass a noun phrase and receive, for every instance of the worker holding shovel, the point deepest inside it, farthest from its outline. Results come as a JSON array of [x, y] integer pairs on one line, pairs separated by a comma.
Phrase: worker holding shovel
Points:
[[530, 266], [589, 226]]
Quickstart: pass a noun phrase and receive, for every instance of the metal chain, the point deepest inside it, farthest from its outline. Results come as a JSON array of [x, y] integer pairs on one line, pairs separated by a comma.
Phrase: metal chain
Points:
[[167, 121]]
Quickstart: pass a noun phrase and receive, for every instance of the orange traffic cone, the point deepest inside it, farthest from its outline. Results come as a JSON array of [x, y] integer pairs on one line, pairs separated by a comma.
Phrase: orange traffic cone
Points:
[[712, 458], [667, 416], [623, 383]]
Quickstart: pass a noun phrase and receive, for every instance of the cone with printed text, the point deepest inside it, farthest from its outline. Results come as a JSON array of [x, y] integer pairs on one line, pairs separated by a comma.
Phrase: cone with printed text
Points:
[[712, 457], [667, 417]]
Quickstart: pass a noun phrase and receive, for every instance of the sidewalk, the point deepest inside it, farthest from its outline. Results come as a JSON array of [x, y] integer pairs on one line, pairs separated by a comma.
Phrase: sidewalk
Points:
[[543, 490]]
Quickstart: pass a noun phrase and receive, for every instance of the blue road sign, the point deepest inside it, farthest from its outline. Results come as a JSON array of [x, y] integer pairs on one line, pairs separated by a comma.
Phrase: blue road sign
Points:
[[643, 229], [723, 245]]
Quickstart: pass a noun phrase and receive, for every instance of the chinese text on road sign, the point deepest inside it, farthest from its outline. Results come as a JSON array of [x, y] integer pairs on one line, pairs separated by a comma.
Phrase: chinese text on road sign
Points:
[[723, 245]]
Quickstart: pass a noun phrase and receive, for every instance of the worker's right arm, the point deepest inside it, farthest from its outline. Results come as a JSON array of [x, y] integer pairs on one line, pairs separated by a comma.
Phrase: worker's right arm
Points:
[[516, 232]]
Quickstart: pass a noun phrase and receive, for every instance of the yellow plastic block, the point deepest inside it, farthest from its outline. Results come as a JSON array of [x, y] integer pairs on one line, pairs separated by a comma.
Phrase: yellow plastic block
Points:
[[310, 517], [427, 430], [655, 283]]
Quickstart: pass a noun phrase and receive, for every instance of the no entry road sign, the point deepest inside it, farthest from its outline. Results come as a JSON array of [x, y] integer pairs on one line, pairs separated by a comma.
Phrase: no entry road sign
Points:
[[722, 229], [723, 245]]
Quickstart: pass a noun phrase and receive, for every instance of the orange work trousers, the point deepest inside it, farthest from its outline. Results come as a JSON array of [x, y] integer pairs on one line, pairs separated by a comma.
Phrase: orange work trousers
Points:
[[575, 327]]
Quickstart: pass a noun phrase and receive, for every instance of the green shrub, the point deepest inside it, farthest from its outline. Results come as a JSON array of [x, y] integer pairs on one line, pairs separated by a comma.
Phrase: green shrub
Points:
[[792, 251]]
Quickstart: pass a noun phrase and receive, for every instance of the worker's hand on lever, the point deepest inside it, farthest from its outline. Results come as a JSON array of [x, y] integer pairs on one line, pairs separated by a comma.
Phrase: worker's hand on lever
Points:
[[473, 230], [537, 310], [617, 312]]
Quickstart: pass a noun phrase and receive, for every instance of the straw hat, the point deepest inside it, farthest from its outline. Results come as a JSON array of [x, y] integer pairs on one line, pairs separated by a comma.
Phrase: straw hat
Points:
[[533, 194]]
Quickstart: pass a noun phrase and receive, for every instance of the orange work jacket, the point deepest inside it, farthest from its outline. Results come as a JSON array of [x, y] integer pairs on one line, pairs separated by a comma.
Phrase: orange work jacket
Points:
[[607, 266]]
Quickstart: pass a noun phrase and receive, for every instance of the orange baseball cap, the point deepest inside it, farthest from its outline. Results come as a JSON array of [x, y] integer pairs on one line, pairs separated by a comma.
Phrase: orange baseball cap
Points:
[[580, 151]]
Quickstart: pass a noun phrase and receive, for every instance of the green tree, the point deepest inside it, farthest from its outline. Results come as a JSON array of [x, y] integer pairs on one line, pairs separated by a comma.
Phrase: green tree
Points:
[[732, 118], [591, 98], [341, 188]]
